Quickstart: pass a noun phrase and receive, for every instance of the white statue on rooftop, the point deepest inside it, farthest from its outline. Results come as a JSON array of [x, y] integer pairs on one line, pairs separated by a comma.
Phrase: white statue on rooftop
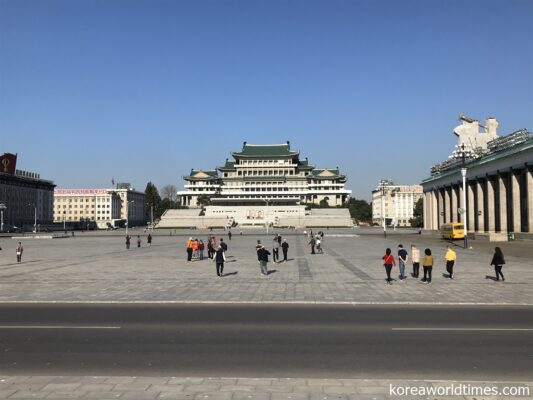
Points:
[[468, 132]]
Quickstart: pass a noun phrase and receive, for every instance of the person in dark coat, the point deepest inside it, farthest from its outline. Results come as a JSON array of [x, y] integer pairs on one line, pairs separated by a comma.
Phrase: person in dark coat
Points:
[[224, 245], [285, 249], [149, 240], [128, 241], [498, 261], [263, 260], [138, 241], [219, 259]]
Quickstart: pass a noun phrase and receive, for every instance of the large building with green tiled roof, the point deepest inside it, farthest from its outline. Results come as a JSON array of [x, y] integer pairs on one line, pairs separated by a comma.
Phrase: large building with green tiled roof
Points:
[[261, 174]]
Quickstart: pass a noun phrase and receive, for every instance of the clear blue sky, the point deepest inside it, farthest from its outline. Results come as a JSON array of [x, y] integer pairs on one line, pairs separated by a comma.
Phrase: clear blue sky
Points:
[[146, 90]]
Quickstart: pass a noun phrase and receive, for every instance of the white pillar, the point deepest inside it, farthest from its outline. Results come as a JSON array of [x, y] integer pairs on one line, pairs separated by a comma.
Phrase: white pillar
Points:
[[502, 193], [460, 217], [491, 204], [440, 197], [426, 210], [447, 205], [434, 211], [453, 204], [471, 207], [480, 204], [529, 186], [515, 190]]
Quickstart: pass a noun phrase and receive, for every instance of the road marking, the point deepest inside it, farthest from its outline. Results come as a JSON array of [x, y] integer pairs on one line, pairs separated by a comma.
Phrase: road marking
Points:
[[466, 329], [56, 327]]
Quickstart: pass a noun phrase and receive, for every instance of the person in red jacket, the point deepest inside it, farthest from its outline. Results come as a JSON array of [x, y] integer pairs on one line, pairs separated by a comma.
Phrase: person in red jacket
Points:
[[388, 262]]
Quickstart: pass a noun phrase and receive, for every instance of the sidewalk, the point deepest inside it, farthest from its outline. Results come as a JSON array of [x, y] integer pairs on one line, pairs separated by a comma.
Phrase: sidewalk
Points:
[[100, 269], [193, 388]]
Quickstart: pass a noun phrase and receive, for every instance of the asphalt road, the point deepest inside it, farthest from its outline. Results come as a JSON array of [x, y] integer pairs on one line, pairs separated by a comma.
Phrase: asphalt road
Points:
[[429, 342]]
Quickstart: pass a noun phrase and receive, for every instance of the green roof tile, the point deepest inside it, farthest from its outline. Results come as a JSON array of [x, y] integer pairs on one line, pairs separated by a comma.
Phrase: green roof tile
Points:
[[267, 150]]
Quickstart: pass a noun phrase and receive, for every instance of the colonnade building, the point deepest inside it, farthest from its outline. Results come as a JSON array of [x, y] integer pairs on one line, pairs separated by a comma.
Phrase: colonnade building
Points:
[[499, 182], [265, 173]]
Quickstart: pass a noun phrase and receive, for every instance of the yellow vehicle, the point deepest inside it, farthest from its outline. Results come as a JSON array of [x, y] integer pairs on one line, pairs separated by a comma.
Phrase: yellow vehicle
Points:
[[454, 230]]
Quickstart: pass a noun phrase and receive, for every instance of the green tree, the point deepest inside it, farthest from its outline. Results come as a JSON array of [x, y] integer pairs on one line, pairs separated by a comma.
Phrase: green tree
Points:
[[324, 203], [360, 210], [418, 214], [152, 199], [203, 200]]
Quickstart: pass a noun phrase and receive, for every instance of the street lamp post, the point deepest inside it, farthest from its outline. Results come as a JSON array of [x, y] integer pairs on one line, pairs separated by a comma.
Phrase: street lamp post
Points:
[[152, 215], [465, 217], [461, 152], [128, 214], [2, 208], [35, 216]]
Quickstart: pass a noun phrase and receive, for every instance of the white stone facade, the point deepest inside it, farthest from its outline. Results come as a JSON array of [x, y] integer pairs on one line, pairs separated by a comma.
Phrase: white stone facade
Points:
[[395, 203], [265, 174]]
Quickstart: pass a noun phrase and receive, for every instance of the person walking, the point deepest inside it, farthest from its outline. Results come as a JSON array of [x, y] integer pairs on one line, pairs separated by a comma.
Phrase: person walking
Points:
[[312, 244], [210, 248], [201, 247], [388, 263], [229, 235], [128, 241], [149, 240], [138, 240], [427, 264], [19, 250], [189, 246], [402, 260], [285, 249], [263, 260], [319, 249], [415, 258], [224, 245], [219, 259], [497, 261], [450, 258], [275, 250], [195, 249], [257, 248]]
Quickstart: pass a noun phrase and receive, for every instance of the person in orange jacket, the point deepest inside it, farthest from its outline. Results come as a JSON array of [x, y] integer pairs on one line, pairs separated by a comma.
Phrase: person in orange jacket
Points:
[[190, 243]]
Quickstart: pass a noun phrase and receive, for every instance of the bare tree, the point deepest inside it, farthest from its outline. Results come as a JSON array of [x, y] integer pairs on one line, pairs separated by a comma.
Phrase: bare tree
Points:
[[169, 192]]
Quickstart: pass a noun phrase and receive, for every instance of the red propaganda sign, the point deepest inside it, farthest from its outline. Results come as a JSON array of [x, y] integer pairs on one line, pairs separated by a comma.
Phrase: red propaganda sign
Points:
[[8, 163]]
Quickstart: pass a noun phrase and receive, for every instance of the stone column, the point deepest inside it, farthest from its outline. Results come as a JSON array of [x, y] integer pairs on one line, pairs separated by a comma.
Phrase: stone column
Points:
[[480, 203], [529, 186], [426, 211], [434, 210], [491, 205], [441, 207], [460, 217], [515, 190], [503, 203], [471, 208], [453, 204], [447, 205]]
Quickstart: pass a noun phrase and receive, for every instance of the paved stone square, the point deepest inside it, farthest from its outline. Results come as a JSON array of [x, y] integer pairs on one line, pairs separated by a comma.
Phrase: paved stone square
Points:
[[97, 268], [196, 388]]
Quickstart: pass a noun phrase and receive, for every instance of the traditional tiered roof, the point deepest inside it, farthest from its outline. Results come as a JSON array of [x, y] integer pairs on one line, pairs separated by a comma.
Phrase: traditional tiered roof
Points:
[[202, 175], [229, 166], [326, 173], [265, 150]]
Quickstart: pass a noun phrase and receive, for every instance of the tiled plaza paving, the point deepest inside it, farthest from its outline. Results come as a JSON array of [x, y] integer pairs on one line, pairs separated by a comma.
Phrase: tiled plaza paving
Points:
[[98, 268], [194, 388]]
